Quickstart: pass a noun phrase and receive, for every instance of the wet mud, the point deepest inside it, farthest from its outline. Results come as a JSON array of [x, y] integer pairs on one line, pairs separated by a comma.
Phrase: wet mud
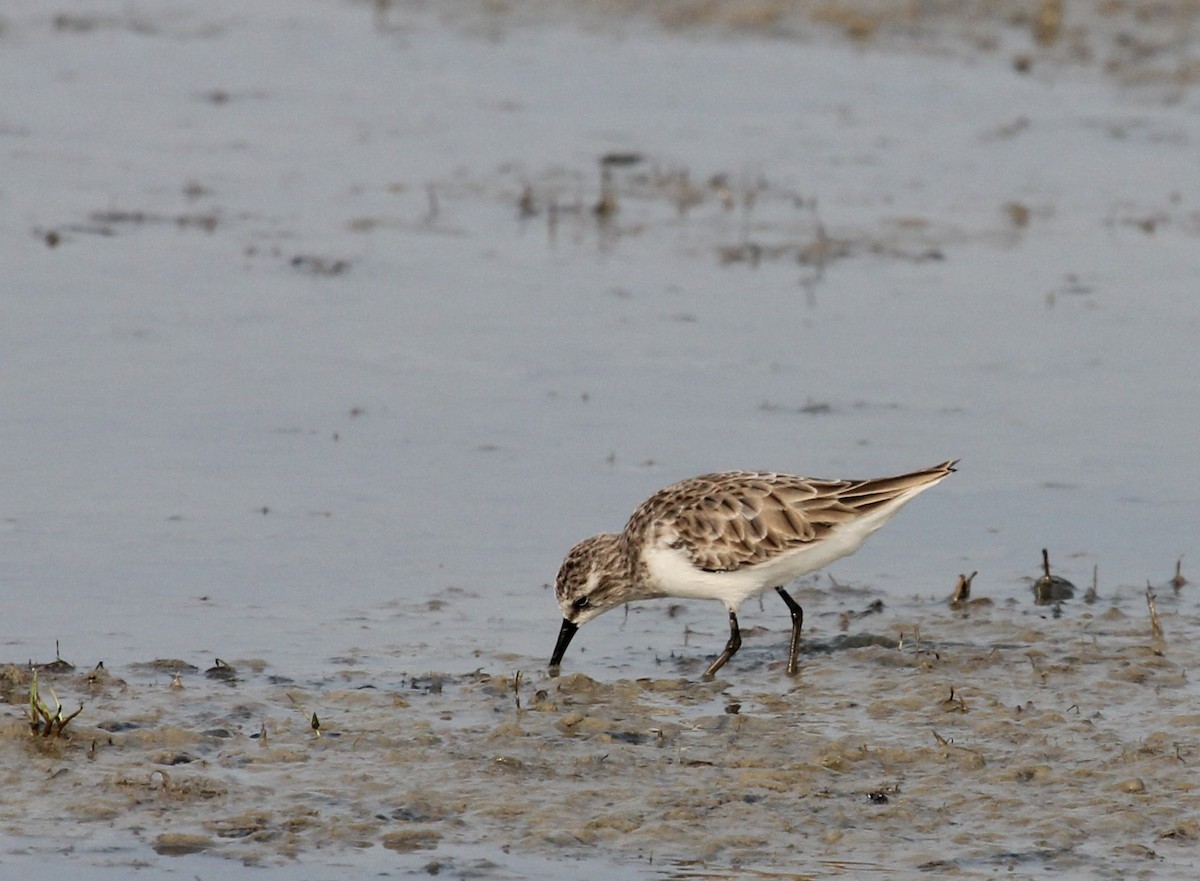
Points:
[[965, 739]]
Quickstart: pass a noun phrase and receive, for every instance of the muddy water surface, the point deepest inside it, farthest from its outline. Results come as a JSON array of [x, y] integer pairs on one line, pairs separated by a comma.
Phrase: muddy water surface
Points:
[[329, 327]]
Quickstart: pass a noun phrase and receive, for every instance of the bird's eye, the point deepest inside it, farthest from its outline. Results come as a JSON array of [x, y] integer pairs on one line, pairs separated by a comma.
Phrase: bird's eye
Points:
[[581, 603]]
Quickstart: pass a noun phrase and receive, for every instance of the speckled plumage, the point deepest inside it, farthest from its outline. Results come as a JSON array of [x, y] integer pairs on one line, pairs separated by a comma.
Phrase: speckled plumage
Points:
[[729, 536]]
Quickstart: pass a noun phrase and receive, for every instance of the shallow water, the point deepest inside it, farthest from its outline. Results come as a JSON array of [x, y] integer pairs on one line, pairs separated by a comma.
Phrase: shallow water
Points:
[[318, 357]]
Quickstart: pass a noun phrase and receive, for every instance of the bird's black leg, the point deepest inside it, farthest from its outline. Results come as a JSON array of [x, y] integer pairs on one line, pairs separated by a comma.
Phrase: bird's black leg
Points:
[[797, 623], [731, 647]]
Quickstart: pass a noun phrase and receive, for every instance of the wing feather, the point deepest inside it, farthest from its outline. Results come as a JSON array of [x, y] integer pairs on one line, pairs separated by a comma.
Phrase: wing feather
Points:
[[730, 520]]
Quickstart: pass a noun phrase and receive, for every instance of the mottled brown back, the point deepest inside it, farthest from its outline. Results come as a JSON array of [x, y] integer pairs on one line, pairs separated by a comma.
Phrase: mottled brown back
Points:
[[733, 519]]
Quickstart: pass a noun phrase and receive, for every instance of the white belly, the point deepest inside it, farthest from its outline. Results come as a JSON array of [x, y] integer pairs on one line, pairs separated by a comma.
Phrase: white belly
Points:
[[672, 573]]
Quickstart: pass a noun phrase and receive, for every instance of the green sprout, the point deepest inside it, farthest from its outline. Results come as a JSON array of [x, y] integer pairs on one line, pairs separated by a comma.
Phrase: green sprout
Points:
[[43, 722], [313, 722]]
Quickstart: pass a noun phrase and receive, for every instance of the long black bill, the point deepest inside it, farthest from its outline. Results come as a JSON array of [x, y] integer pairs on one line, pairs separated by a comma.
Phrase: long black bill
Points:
[[564, 640]]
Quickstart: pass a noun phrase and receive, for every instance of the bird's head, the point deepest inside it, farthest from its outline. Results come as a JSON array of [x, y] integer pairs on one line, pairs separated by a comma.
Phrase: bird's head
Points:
[[589, 582]]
